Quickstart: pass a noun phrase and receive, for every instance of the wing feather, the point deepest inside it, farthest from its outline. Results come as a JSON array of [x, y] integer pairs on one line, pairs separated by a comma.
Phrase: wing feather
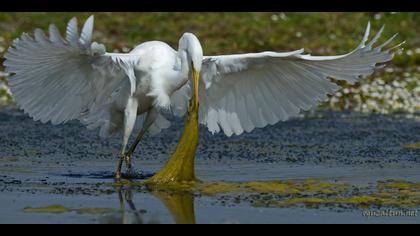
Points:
[[86, 36], [55, 35], [241, 92], [72, 34], [55, 79]]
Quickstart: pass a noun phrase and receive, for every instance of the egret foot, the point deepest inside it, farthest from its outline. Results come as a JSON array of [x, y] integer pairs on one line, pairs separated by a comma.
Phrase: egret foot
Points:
[[130, 172], [119, 166], [128, 163]]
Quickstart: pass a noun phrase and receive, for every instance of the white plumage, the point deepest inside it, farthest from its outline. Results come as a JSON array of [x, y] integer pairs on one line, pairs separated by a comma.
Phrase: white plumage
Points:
[[58, 80], [246, 91]]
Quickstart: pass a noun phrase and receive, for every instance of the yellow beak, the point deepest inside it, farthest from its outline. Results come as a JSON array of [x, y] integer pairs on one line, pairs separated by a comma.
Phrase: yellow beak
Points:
[[196, 79]]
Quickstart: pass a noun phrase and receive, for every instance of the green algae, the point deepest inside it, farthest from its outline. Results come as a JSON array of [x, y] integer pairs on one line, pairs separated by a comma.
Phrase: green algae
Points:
[[9, 159], [59, 209], [390, 193], [309, 193], [272, 187], [53, 209], [414, 146], [362, 201], [95, 211], [212, 188]]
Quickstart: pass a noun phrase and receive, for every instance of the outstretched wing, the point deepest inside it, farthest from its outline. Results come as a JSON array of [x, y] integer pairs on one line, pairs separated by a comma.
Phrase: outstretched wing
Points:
[[56, 79], [241, 92]]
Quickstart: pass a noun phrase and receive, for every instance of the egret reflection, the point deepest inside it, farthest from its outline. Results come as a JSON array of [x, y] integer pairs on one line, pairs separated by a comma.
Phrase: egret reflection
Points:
[[180, 206]]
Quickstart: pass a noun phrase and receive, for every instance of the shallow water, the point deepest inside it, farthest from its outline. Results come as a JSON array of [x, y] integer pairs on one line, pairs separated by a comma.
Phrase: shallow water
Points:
[[67, 169]]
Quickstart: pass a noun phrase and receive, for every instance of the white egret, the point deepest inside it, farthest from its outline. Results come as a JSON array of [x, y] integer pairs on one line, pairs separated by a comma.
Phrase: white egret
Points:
[[61, 79]]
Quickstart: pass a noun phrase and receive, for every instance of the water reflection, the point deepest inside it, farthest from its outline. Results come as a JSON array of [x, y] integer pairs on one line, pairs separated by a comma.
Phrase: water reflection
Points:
[[180, 205], [126, 215]]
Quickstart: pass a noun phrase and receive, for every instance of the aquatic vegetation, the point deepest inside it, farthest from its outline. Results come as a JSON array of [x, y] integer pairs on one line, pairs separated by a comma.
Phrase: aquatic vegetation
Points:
[[389, 193], [411, 146], [363, 201], [279, 188], [309, 193], [59, 209], [53, 209], [8, 159]]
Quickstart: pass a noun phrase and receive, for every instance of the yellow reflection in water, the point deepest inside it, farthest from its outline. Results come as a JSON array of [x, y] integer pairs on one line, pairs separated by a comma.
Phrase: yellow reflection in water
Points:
[[179, 199], [180, 205]]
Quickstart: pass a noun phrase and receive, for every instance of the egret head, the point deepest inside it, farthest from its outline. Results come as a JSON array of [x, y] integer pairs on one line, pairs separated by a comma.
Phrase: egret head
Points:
[[191, 45]]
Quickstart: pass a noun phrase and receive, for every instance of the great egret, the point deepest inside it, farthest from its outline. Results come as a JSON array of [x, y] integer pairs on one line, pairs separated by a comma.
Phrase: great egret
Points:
[[58, 80]]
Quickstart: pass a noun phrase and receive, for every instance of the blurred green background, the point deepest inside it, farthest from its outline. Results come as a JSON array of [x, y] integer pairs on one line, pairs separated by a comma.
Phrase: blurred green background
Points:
[[393, 89]]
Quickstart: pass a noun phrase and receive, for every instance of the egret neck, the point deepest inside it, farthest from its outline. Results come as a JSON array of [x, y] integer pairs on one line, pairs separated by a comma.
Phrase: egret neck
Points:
[[180, 167], [194, 99]]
